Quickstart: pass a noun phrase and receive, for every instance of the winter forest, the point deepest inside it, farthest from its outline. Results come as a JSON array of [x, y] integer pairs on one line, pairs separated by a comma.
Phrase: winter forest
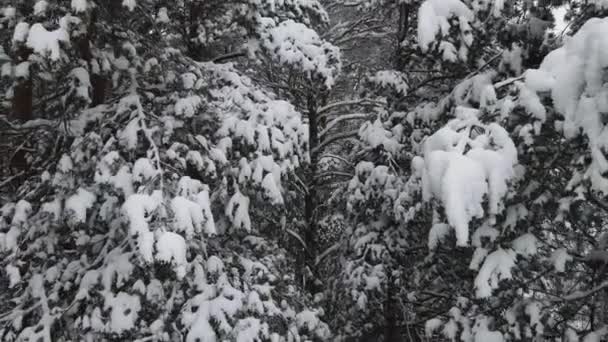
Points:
[[304, 170]]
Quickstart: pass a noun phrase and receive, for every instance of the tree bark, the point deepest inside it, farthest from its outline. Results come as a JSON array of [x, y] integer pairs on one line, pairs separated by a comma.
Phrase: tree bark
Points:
[[22, 111], [402, 28], [310, 201], [23, 100]]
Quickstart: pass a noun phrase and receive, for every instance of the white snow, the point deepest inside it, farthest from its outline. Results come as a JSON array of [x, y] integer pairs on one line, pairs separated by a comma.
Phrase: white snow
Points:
[[374, 134], [437, 233], [248, 329], [121, 180], [391, 78], [433, 18], [525, 245], [272, 189], [79, 203], [570, 335], [40, 7], [82, 82], [449, 52], [9, 12], [483, 334], [596, 336], [294, 43], [137, 207], [575, 73], [533, 311], [488, 336], [14, 275], [559, 258], [450, 329], [79, 5], [188, 80], [65, 164], [497, 266], [88, 280], [531, 102], [215, 265], [237, 211], [21, 31], [171, 247], [53, 208], [7, 70], [47, 42], [130, 4], [484, 232], [431, 326], [459, 182], [22, 211], [124, 311], [498, 170], [478, 256], [162, 16], [128, 136], [189, 216], [118, 270], [188, 106], [539, 80], [143, 170]]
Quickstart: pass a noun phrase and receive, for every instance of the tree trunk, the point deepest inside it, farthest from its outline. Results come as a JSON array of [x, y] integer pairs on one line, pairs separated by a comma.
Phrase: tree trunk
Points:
[[99, 84], [310, 201], [22, 100], [402, 28], [22, 111]]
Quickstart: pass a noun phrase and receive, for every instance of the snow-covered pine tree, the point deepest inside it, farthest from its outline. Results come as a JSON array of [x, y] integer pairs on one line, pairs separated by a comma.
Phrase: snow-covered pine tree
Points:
[[486, 105], [140, 211], [527, 169]]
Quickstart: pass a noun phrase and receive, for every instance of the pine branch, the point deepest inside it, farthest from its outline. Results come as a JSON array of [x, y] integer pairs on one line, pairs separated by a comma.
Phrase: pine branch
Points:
[[333, 139]]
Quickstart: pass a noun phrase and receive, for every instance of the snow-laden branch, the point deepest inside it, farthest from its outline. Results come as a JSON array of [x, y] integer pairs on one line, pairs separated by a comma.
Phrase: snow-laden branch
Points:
[[333, 139], [341, 118], [508, 81], [333, 156]]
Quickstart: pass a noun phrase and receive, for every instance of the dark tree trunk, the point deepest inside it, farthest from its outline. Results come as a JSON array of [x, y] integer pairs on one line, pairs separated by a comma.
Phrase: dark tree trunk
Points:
[[99, 84], [22, 111], [310, 202], [22, 100], [402, 28]]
